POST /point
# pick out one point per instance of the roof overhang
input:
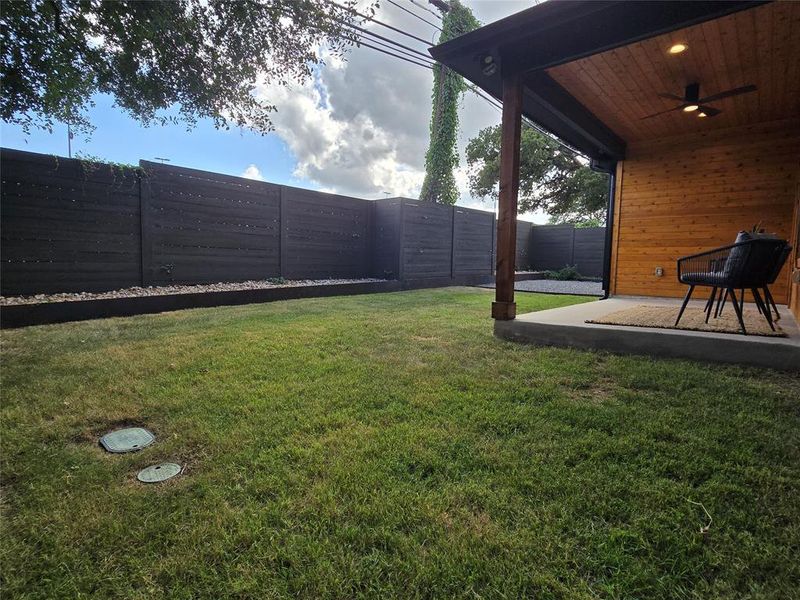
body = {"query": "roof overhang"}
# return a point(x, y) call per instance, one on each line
point(560, 31)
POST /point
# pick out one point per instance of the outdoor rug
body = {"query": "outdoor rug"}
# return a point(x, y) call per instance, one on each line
point(693, 319)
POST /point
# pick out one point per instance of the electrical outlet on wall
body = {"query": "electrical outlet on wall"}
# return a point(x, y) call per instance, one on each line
point(659, 271)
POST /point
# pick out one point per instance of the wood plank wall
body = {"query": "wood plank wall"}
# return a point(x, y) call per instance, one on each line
point(686, 194)
point(472, 241)
point(67, 225)
point(325, 235)
point(204, 227)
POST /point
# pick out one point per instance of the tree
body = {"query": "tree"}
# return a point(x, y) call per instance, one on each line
point(441, 159)
point(203, 57)
point(552, 178)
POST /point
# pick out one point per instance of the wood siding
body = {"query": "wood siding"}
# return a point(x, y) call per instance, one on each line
point(686, 194)
point(759, 46)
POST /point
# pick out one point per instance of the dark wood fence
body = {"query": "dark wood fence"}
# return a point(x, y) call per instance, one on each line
point(201, 227)
point(68, 225)
point(556, 246)
point(418, 241)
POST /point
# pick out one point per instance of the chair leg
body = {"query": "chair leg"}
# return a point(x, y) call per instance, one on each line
point(765, 310)
point(741, 302)
point(724, 300)
point(708, 300)
point(738, 310)
point(710, 303)
point(683, 306)
point(722, 294)
point(771, 302)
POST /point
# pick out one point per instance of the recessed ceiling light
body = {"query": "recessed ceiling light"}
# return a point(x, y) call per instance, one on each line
point(702, 114)
point(677, 48)
point(690, 108)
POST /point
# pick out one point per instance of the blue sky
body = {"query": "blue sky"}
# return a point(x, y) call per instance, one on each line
point(118, 138)
point(358, 127)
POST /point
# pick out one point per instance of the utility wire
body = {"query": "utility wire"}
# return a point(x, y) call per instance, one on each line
point(376, 21)
point(425, 8)
point(525, 121)
point(391, 41)
point(408, 57)
point(498, 106)
point(413, 14)
point(413, 62)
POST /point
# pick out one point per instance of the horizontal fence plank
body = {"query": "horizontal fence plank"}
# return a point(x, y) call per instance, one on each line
point(208, 227)
point(71, 225)
point(67, 225)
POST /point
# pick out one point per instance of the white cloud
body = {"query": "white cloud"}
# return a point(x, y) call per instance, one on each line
point(360, 127)
point(252, 172)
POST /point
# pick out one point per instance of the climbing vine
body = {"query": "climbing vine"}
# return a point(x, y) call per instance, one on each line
point(441, 159)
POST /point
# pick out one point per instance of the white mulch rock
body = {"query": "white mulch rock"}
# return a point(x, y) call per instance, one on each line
point(136, 292)
point(553, 286)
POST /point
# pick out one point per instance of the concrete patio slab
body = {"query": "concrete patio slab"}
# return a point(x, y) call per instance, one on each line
point(567, 327)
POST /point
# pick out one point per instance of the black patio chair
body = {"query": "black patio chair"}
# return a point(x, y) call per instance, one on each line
point(744, 265)
point(780, 259)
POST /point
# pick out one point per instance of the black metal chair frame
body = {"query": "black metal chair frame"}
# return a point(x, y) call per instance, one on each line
point(768, 299)
point(752, 264)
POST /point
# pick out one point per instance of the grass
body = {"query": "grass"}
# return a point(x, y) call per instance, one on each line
point(388, 446)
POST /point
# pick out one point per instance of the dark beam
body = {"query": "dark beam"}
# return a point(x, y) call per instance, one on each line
point(571, 118)
point(504, 307)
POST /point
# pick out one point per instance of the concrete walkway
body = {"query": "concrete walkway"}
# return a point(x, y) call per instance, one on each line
point(553, 286)
point(567, 327)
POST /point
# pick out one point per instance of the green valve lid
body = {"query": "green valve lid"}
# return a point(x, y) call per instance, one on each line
point(157, 473)
point(127, 440)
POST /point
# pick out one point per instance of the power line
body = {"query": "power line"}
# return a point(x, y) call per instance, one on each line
point(414, 56)
point(376, 21)
point(425, 8)
point(474, 89)
point(413, 14)
point(525, 121)
point(413, 62)
point(391, 41)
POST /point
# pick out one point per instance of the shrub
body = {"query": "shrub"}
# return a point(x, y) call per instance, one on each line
point(567, 273)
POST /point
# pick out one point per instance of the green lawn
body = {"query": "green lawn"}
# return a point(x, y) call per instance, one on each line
point(388, 446)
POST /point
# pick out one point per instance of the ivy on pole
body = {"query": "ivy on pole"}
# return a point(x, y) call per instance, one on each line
point(442, 158)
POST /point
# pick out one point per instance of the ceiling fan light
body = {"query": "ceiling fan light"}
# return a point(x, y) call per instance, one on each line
point(690, 108)
point(678, 48)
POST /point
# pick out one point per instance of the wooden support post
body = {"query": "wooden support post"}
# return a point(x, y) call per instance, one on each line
point(504, 308)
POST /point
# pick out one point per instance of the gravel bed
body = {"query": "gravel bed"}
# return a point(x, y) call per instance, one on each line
point(166, 290)
point(553, 286)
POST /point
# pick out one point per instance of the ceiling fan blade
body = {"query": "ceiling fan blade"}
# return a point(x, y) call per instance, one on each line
point(663, 112)
point(671, 97)
point(709, 111)
point(745, 89)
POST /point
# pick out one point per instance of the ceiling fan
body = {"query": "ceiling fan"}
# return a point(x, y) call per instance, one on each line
point(692, 101)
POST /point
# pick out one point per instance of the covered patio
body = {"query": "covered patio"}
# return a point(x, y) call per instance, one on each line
point(692, 109)
point(568, 327)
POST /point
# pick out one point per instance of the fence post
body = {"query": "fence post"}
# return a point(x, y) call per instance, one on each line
point(492, 255)
point(401, 254)
point(283, 238)
point(572, 252)
point(452, 242)
point(146, 224)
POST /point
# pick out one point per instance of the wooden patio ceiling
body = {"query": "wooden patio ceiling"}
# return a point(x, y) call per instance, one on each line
point(758, 46)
